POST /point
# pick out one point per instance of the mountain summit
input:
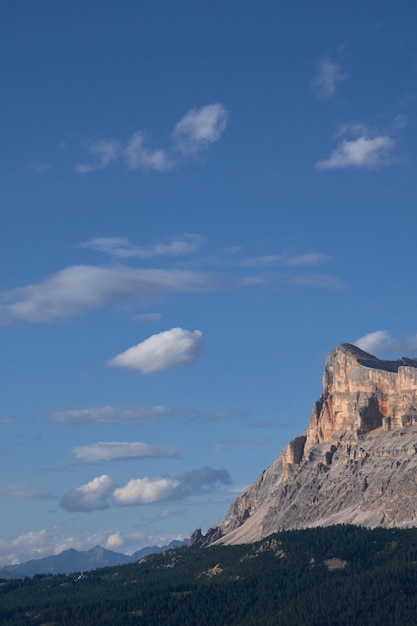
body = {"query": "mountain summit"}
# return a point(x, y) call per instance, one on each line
point(355, 464)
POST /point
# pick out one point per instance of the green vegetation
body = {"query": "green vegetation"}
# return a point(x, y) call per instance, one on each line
point(318, 577)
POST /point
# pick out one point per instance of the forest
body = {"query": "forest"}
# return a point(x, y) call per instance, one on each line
point(316, 577)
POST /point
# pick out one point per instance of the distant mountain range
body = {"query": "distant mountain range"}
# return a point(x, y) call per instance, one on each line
point(72, 560)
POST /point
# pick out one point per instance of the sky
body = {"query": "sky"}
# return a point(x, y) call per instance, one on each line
point(199, 201)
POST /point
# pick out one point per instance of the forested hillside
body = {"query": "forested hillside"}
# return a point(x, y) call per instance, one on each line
point(324, 576)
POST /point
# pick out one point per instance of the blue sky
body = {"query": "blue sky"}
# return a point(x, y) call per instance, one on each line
point(199, 201)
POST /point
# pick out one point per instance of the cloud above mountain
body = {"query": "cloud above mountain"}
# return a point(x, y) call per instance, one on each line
point(382, 342)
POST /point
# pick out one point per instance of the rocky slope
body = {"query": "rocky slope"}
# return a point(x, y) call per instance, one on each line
point(355, 464)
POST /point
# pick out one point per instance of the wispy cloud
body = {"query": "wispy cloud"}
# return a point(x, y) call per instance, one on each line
point(359, 147)
point(96, 494)
point(192, 135)
point(148, 317)
point(126, 414)
point(26, 491)
point(306, 259)
point(225, 445)
point(328, 74)
point(317, 281)
point(382, 342)
point(163, 351)
point(115, 450)
point(105, 152)
point(122, 248)
point(116, 414)
point(79, 289)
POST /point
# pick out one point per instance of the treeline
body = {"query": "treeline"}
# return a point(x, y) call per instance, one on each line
point(318, 577)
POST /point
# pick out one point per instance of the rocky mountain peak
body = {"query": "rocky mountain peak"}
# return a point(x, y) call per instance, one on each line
point(355, 463)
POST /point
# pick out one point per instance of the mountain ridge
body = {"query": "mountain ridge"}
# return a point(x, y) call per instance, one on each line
point(354, 464)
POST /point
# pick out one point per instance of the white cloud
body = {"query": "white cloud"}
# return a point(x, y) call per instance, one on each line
point(149, 490)
point(328, 75)
point(111, 450)
point(137, 156)
point(199, 128)
point(81, 288)
point(122, 248)
point(89, 497)
point(366, 149)
point(165, 350)
point(114, 541)
point(146, 490)
point(381, 342)
point(192, 135)
point(363, 152)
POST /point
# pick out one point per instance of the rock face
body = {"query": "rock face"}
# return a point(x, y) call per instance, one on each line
point(356, 463)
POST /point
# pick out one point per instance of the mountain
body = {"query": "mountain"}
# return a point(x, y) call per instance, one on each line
point(356, 463)
point(72, 560)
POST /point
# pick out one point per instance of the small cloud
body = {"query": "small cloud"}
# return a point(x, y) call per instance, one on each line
point(365, 152)
point(43, 166)
point(122, 248)
point(381, 342)
point(307, 259)
point(328, 75)
point(137, 156)
point(163, 351)
point(400, 122)
point(148, 317)
point(115, 450)
point(114, 541)
point(200, 128)
point(105, 152)
point(193, 134)
point(90, 497)
point(9, 420)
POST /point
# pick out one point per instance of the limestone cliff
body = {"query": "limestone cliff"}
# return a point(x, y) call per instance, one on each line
point(356, 463)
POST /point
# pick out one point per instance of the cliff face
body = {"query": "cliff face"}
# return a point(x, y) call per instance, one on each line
point(356, 462)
